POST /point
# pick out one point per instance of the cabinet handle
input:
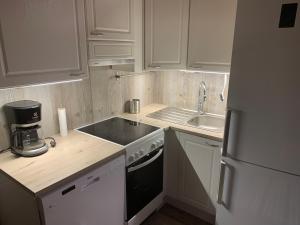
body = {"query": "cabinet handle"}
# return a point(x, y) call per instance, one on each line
point(156, 67)
point(76, 74)
point(230, 130)
point(196, 66)
point(212, 145)
point(221, 183)
point(97, 33)
point(226, 132)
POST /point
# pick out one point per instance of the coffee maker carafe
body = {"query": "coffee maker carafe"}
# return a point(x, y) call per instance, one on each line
point(24, 119)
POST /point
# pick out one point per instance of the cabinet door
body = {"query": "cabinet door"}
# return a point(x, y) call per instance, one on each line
point(264, 87)
point(211, 30)
point(41, 41)
point(110, 19)
point(257, 195)
point(199, 169)
point(166, 31)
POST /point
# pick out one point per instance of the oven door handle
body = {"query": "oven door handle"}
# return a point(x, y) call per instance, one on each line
point(131, 169)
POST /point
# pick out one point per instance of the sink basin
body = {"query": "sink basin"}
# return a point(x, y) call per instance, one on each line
point(207, 122)
point(191, 118)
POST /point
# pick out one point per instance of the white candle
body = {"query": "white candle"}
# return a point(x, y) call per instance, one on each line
point(62, 118)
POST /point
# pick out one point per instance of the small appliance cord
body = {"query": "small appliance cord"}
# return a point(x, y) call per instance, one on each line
point(52, 141)
point(4, 150)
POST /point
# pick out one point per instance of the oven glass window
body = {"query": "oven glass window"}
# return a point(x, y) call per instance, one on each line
point(144, 183)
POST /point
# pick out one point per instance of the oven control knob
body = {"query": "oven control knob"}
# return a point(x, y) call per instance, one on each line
point(157, 143)
point(153, 146)
point(136, 155)
point(130, 158)
point(141, 152)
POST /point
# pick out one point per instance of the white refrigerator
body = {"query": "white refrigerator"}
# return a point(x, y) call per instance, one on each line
point(260, 172)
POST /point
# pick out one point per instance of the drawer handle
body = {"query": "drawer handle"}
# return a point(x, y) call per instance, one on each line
point(196, 66)
point(76, 74)
point(212, 145)
point(155, 67)
point(97, 33)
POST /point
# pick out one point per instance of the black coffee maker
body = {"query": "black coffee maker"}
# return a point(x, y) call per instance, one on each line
point(24, 119)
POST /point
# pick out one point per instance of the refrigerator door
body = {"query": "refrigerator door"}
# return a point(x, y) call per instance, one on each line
point(255, 195)
point(264, 89)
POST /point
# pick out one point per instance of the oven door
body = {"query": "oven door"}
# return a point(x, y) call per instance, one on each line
point(144, 181)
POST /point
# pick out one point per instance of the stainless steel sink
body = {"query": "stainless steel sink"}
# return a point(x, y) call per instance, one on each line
point(207, 122)
point(191, 118)
point(173, 115)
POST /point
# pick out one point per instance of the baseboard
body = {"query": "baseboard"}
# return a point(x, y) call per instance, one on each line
point(190, 209)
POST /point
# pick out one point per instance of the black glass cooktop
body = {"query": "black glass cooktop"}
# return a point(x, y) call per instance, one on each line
point(119, 130)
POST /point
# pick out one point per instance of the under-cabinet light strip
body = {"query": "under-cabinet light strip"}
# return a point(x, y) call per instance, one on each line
point(43, 84)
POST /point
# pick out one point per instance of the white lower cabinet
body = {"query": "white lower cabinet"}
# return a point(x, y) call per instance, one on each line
point(193, 169)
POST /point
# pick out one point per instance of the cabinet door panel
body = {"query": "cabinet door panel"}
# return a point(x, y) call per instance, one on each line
point(166, 26)
point(110, 19)
point(211, 32)
point(41, 41)
point(199, 172)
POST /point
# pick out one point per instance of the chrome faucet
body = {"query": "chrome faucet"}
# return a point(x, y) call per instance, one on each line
point(202, 97)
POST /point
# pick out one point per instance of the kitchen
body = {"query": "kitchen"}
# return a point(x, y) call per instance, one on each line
point(142, 105)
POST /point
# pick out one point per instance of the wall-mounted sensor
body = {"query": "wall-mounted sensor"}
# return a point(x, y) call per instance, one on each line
point(288, 15)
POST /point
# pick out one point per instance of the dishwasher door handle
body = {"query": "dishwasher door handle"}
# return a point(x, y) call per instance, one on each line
point(134, 168)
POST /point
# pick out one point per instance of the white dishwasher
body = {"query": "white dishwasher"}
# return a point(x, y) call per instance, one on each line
point(97, 198)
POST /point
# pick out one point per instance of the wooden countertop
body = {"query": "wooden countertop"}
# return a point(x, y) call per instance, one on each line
point(142, 117)
point(72, 154)
point(77, 152)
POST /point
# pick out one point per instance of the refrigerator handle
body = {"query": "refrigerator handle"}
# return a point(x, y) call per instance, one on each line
point(221, 183)
point(226, 132)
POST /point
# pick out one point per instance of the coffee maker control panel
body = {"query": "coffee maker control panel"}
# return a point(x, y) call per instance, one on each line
point(23, 113)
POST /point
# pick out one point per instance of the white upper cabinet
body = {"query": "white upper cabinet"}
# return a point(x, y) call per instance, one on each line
point(166, 32)
point(41, 41)
point(110, 19)
point(211, 30)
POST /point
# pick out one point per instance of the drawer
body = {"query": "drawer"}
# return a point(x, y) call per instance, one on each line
point(110, 50)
